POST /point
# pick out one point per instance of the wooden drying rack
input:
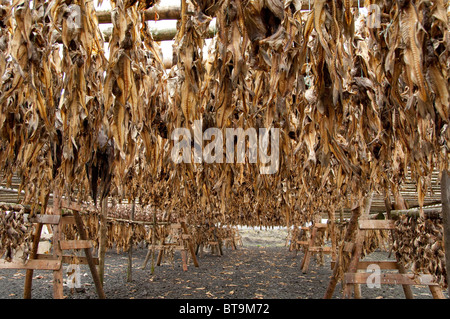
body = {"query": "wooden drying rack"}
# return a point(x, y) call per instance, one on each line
point(353, 278)
point(55, 261)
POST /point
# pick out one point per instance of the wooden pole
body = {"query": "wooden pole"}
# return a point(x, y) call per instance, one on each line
point(401, 269)
point(349, 237)
point(57, 251)
point(190, 246)
point(29, 273)
point(102, 239)
point(445, 196)
point(130, 250)
point(166, 12)
point(88, 252)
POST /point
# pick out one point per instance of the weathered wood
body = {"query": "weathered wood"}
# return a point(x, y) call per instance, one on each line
point(70, 259)
point(190, 246)
point(307, 257)
point(406, 288)
point(349, 235)
point(75, 244)
point(325, 250)
point(57, 251)
point(391, 279)
point(383, 264)
point(371, 224)
point(353, 265)
point(445, 197)
point(401, 268)
point(92, 262)
point(29, 274)
point(157, 12)
point(173, 12)
point(44, 219)
point(32, 264)
point(103, 230)
point(130, 250)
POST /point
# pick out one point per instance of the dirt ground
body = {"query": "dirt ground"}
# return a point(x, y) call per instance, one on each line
point(262, 268)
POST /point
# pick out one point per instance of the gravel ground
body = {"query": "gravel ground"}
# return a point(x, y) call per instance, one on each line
point(262, 268)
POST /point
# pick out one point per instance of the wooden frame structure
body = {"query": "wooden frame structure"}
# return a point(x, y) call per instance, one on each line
point(55, 261)
point(353, 278)
point(183, 244)
point(311, 248)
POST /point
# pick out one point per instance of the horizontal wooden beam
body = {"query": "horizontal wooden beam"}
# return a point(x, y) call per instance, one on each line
point(75, 244)
point(165, 12)
point(383, 264)
point(68, 259)
point(390, 279)
point(370, 224)
point(31, 264)
point(173, 12)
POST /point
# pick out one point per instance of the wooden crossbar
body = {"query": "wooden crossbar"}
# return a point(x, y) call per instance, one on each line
point(32, 264)
point(369, 224)
point(69, 259)
point(383, 264)
point(391, 279)
point(75, 244)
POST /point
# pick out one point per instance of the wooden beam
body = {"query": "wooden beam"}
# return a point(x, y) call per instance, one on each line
point(173, 12)
point(158, 12)
point(103, 239)
point(75, 244)
point(383, 264)
point(90, 260)
point(57, 251)
point(32, 264)
point(372, 224)
point(391, 279)
point(29, 273)
point(445, 194)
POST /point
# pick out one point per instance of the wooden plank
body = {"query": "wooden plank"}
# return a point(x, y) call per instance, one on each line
point(75, 244)
point(169, 246)
point(368, 224)
point(383, 264)
point(45, 219)
point(391, 279)
point(57, 251)
point(445, 198)
point(50, 264)
point(320, 249)
point(67, 220)
point(69, 259)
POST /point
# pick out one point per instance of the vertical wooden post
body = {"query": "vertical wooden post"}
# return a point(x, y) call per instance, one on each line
point(190, 246)
point(307, 257)
point(445, 198)
point(401, 268)
point(57, 251)
point(29, 273)
point(102, 239)
point(130, 250)
point(88, 253)
point(332, 219)
point(349, 236)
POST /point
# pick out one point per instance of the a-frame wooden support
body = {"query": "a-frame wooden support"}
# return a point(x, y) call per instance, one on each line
point(183, 245)
point(310, 247)
point(353, 278)
point(55, 261)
